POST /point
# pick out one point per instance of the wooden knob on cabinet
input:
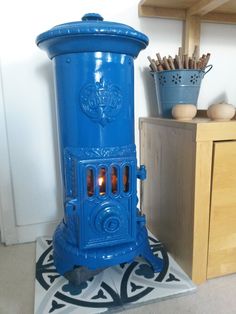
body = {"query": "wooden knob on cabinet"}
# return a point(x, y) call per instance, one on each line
point(184, 112)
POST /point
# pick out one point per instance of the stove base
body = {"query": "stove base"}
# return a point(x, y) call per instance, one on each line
point(67, 256)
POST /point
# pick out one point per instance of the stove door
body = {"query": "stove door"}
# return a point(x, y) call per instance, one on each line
point(108, 202)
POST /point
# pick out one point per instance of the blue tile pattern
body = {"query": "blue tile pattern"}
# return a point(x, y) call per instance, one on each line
point(116, 288)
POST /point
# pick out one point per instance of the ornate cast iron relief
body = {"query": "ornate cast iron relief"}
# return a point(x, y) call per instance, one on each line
point(101, 101)
point(102, 152)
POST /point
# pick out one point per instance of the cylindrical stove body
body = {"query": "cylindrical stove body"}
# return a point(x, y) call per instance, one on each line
point(94, 80)
point(95, 97)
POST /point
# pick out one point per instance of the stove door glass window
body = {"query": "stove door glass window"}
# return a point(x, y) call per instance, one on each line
point(102, 181)
point(126, 175)
point(90, 182)
point(114, 180)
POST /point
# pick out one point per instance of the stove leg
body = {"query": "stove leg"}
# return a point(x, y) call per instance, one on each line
point(81, 274)
point(156, 262)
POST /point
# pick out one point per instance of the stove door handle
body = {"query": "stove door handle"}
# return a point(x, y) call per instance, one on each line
point(141, 172)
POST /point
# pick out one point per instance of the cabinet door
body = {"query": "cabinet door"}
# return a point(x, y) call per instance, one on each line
point(222, 238)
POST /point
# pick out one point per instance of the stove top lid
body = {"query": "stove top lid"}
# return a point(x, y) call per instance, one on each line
point(92, 24)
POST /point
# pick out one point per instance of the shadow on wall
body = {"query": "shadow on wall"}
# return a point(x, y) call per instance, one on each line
point(222, 97)
point(149, 91)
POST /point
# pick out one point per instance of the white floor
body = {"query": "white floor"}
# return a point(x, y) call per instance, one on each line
point(17, 273)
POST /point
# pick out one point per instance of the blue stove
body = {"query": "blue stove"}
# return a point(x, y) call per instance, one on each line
point(94, 82)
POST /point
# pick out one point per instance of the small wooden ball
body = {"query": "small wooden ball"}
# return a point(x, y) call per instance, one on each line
point(184, 112)
point(221, 112)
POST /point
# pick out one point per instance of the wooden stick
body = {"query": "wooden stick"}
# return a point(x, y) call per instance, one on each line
point(152, 67)
point(159, 58)
point(171, 63)
point(166, 64)
point(156, 62)
point(180, 52)
point(176, 63)
point(152, 63)
point(186, 61)
point(199, 64)
point(202, 62)
point(196, 52)
point(160, 67)
point(190, 63)
point(179, 62)
point(206, 60)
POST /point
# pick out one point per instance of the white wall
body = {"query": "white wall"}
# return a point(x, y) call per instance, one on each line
point(28, 86)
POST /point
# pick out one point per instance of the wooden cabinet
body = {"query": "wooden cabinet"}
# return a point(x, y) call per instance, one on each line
point(189, 195)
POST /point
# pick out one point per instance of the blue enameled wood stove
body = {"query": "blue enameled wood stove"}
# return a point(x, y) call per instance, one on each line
point(94, 78)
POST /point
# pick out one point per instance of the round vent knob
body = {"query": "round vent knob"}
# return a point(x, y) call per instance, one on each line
point(108, 220)
point(111, 224)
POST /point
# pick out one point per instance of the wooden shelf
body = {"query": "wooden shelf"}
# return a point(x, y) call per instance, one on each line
point(216, 11)
point(193, 12)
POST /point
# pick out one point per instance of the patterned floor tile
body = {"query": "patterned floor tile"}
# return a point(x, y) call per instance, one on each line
point(113, 290)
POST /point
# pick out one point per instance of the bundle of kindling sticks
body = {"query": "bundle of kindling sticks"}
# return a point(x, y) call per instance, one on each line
point(180, 61)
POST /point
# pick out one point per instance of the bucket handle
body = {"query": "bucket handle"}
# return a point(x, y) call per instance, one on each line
point(208, 67)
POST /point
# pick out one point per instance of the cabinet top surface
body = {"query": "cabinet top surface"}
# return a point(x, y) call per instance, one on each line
point(199, 119)
point(203, 129)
